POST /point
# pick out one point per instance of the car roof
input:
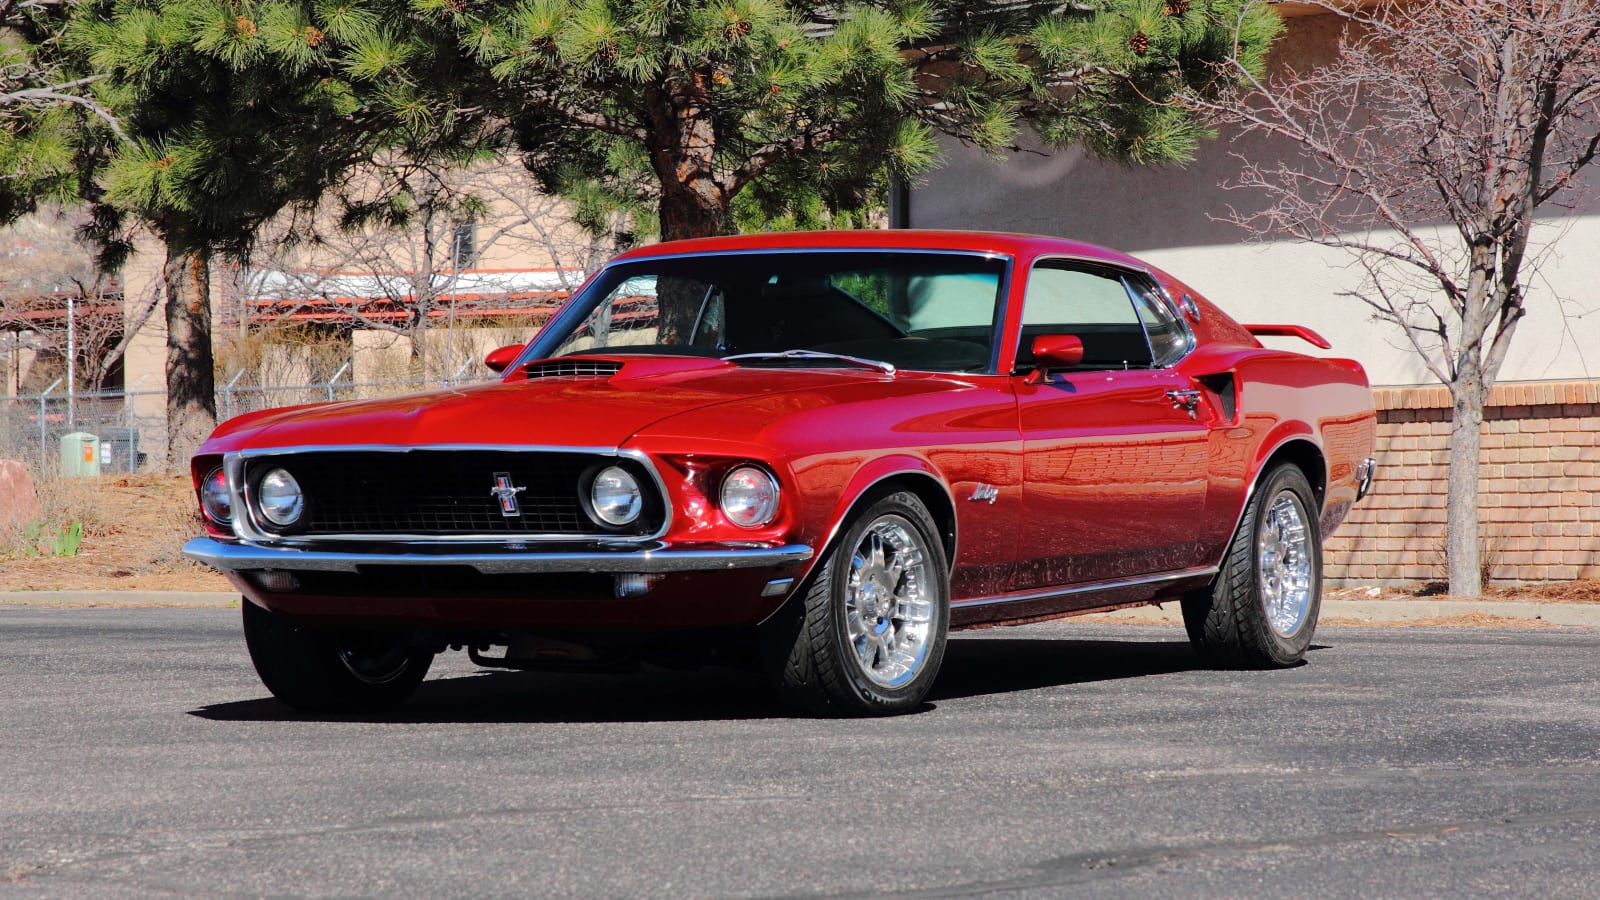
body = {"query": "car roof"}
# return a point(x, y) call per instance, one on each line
point(1021, 246)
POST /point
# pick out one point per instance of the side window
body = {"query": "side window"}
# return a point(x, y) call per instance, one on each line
point(1092, 304)
point(1169, 337)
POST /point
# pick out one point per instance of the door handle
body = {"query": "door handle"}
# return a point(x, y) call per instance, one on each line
point(1188, 400)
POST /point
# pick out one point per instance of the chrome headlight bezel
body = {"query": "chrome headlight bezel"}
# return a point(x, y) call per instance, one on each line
point(749, 497)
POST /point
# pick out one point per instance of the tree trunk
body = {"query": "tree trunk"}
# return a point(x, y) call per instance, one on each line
point(191, 385)
point(418, 335)
point(1461, 528)
point(694, 210)
point(694, 202)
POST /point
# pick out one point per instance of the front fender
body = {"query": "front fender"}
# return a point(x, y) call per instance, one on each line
point(833, 500)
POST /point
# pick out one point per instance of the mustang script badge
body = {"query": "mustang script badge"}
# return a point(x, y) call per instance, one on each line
point(506, 493)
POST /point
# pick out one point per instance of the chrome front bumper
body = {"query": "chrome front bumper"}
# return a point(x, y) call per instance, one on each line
point(230, 557)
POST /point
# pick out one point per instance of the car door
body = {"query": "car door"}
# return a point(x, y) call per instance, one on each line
point(1115, 448)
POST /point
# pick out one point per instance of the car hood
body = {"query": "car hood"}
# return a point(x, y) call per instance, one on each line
point(577, 411)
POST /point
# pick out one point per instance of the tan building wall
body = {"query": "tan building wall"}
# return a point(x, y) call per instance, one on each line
point(1171, 217)
point(144, 362)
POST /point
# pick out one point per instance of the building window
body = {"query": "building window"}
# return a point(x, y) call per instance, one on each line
point(463, 245)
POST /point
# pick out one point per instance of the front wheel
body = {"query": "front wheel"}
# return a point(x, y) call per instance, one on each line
point(1262, 609)
point(334, 672)
point(869, 633)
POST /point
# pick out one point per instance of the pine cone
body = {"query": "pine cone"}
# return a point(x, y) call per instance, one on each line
point(607, 53)
point(314, 36)
point(1177, 7)
point(545, 45)
point(739, 29)
point(1140, 42)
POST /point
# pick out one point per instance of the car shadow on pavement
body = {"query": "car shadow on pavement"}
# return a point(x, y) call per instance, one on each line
point(1002, 665)
point(973, 666)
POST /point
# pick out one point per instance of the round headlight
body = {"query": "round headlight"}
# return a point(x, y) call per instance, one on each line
point(749, 497)
point(615, 496)
point(214, 497)
point(281, 500)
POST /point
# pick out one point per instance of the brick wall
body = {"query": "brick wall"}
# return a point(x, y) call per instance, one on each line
point(1539, 489)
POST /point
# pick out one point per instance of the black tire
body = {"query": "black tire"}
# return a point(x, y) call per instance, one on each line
point(331, 672)
point(1234, 623)
point(807, 647)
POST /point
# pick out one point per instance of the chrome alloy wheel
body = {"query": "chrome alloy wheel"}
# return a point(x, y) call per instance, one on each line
point(888, 608)
point(376, 668)
point(1283, 564)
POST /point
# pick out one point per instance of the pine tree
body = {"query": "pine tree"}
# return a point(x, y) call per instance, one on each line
point(689, 103)
point(42, 103)
point(230, 111)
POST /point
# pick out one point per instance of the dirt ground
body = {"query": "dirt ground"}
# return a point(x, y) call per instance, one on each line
point(1552, 592)
point(135, 526)
point(133, 531)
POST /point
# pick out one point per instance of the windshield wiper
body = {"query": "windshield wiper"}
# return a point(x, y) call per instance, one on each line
point(886, 368)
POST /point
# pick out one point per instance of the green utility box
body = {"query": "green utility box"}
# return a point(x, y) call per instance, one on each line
point(80, 455)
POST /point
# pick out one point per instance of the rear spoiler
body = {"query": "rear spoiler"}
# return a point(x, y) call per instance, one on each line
point(1299, 331)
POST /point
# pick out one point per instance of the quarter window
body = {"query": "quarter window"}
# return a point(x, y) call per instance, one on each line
point(1169, 337)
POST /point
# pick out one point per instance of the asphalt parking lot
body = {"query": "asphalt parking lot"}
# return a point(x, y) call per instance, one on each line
point(140, 756)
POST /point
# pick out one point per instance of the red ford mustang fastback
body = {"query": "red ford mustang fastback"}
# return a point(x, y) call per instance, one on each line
point(817, 452)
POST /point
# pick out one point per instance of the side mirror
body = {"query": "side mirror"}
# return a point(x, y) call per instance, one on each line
point(1054, 351)
point(498, 359)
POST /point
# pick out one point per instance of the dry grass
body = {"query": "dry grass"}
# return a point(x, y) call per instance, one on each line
point(134, 528)
point(1587, 591)
point(1462, 620)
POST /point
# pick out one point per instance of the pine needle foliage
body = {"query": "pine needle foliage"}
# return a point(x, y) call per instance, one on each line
point(229, 112)
point(42, 108)
point(812, 107)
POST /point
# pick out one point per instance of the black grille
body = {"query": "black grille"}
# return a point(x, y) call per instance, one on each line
point(574, 368)
point(449, 492)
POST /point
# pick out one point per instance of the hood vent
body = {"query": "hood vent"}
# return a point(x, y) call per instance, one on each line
point(574, 368)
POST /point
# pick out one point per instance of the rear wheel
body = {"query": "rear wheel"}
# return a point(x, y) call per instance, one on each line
point(868, 636)
point(1261, 610)
point(320, 671)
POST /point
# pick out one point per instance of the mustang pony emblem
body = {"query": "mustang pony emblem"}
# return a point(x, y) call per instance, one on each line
point(506, 493)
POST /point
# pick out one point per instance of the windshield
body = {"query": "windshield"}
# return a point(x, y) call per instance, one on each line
point(923, 311)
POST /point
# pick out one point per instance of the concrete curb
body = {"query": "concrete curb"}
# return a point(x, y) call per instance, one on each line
point(1334, 612)
point(122, 599)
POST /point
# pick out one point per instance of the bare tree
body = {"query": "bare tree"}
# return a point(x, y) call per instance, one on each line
point(47, 280)
point(406, 256)
point(1427, 149)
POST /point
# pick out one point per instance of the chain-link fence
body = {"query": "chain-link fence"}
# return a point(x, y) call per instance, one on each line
point(127, 430)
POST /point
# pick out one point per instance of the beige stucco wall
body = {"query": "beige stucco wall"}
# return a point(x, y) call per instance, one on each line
point(1171, 217)
point(144, 361)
